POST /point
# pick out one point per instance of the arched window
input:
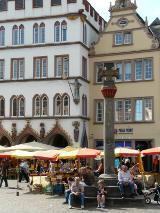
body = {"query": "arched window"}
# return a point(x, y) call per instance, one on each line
point(15, 35)
point(21, 107)
point(57, 32)
point(42, 33)
point(44, 105)
point(2, 106)
point(14, 106)
point(37, 106)
point(35, 34)
point(66, 105)
point(64, 31)
point(2, 36)
point(57, 105)
point(84, 105)
point(21, 34)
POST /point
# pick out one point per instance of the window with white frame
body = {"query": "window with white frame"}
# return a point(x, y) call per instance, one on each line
point(44, 106)
point(37, 106)
point(21, 107)
point(123, 38)
point(119, 110)
point(21, 34)
point(18, 68)
point(14, 106)
point(147, 69)
point(62, 66)
point(99, 110)
point(42, 33)
point(35, 33)
point(66, 105)
point(15, 36)
point(2, 36)
point(134, 109)
point(138, 70)
point(2, 106)
point(120, 72)
point(64, 31)
point(128, 110)
point(57, 31)
point(148, 108)
point(1, 69)
point(99, 67)
point(40, 67)
point(128, 71)
point(58, 105)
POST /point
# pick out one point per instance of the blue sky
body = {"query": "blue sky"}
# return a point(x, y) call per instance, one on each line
point(149, 8)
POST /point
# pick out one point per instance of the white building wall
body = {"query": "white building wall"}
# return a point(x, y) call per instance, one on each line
point(50, 86)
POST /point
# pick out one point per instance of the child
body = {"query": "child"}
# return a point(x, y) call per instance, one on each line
point(101, 195)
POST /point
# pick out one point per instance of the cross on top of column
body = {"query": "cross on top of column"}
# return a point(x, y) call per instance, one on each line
point(109, 72)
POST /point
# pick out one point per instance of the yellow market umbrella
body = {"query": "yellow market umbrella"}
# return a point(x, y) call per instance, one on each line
point(69, 154)
point(19, 154)
point(24, 147)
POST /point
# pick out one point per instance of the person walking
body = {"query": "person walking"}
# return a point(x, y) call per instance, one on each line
point(4, 173)
point(24, 171)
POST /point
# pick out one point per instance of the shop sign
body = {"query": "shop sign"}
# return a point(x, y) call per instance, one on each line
point(124, 131)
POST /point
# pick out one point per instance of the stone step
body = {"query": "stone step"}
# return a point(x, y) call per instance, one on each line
point(112, 202)
point(114, 191)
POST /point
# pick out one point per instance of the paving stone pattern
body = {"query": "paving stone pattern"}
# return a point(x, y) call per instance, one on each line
point(40, 203)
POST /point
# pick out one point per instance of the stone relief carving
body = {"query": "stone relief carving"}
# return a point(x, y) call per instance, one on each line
point(76, 125)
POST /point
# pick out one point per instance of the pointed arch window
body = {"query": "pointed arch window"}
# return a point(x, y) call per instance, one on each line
point(15, 35)
point(44, 106)
point(21, 106)
point(2, 106)
point(21, 34)
point(2, 36)
point(84, 105)
point(57, 32)
point(14, 106)
point(64, 31)
point(66, 105)
point(58, 106)
point(35, 34)
point(42, 33)
point(37, 106)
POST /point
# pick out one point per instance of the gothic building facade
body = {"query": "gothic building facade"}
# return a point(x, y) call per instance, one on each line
point(44, 76)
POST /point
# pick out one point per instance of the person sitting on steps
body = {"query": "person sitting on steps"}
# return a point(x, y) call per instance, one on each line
point(101, 195)
point(125, 179)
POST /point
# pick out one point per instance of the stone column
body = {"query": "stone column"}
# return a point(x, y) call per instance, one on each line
point(109, 90)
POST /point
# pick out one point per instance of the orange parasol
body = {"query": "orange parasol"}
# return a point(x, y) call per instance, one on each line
point(47, 155)
point(88, 153)
point(152, 151)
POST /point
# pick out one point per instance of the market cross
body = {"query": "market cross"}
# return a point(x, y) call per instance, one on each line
point(109, 72)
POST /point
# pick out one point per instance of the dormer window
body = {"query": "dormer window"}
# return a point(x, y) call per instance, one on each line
point(123, 38)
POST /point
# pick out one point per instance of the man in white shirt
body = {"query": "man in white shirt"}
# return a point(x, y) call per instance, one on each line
point(77, 190)
point(125, 179)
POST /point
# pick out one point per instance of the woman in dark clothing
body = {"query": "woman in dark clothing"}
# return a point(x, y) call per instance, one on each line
point(4, 173)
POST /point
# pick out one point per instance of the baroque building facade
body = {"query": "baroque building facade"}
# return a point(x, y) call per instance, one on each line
point(44, 75)
point(133, 47)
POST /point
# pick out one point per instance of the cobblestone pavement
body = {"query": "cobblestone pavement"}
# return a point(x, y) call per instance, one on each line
point(40, 203)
